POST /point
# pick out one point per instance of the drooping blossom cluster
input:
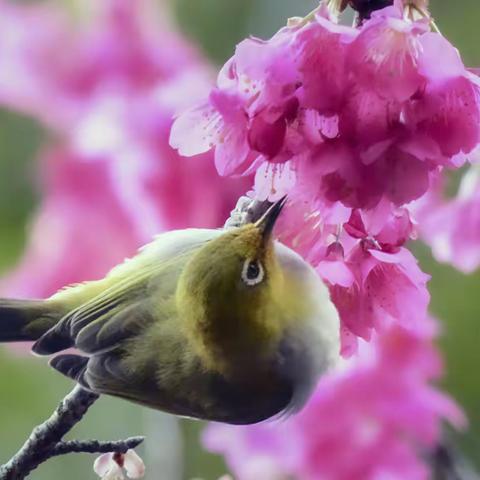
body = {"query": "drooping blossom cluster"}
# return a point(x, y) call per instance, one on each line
point(109, 178)
point(358, 125)
point(376, 419)
point(374, 280)
point(354, 124)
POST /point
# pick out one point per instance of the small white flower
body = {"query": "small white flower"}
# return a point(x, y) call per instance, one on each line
point(110, 466)
point(134, 465)
point(107, 468)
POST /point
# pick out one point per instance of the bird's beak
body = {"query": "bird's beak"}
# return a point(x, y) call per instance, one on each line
point(267, 221)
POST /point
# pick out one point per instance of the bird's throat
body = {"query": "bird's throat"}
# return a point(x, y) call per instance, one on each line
point(231, 341)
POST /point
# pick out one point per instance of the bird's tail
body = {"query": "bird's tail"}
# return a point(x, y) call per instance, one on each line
point(26, 320)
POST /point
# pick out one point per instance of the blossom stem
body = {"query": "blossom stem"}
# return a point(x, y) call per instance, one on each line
point(425, 14)
point(309, 17)
point(435, 26)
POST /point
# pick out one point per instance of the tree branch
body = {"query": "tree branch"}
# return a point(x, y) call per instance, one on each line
point(45, 441)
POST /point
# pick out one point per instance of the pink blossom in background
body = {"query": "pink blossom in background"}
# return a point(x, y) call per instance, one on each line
point(80, 230)
point(29, 39)
point(108, 96)
point(121, 47)
point(368, 422)
point(160, 190)
point(451, 227)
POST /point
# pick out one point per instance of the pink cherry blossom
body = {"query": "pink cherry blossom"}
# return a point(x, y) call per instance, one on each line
point(374, 280)
point(322, 49)
point(351, 130)
point(367, 422)
point(386, 288)
point(385, 54)
point(249, 114)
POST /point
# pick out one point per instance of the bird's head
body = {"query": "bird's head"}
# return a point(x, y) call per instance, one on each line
point(238, 288)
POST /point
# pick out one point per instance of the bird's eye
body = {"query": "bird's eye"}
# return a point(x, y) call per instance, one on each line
point(252, 273)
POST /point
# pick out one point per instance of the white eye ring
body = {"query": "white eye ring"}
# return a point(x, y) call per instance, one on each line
point(252, 272)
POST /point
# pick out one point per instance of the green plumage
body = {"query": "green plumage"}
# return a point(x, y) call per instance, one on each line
point(181, 329)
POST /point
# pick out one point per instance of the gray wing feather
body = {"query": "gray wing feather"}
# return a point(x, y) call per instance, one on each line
point(106, 333)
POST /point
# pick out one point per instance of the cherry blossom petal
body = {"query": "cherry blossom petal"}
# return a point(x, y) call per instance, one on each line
point(384, 57)
point(103, 464)
point(322, 49)
point(435, 46)
point(336, 273)
point(273, 181)
point(408, 177)
point(197, 130)
point(449, 113)
point(267, 138)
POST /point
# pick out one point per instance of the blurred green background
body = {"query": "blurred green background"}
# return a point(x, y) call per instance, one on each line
point(30, 390)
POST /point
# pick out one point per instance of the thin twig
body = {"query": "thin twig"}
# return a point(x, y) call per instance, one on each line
point(95, 446)
point(426, 15)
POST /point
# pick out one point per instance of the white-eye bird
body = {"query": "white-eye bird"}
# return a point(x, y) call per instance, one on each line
point(223, 325)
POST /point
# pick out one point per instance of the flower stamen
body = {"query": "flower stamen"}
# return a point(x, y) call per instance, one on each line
point(425, 14)
point(302, 21)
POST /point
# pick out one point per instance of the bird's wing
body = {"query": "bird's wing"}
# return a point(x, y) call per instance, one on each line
point(136, 287)
point(122, 293)
point(107, 318)
point(107, 311)
point(108, 331)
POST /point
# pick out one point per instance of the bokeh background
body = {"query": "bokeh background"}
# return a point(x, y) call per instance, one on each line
point(30, 390)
